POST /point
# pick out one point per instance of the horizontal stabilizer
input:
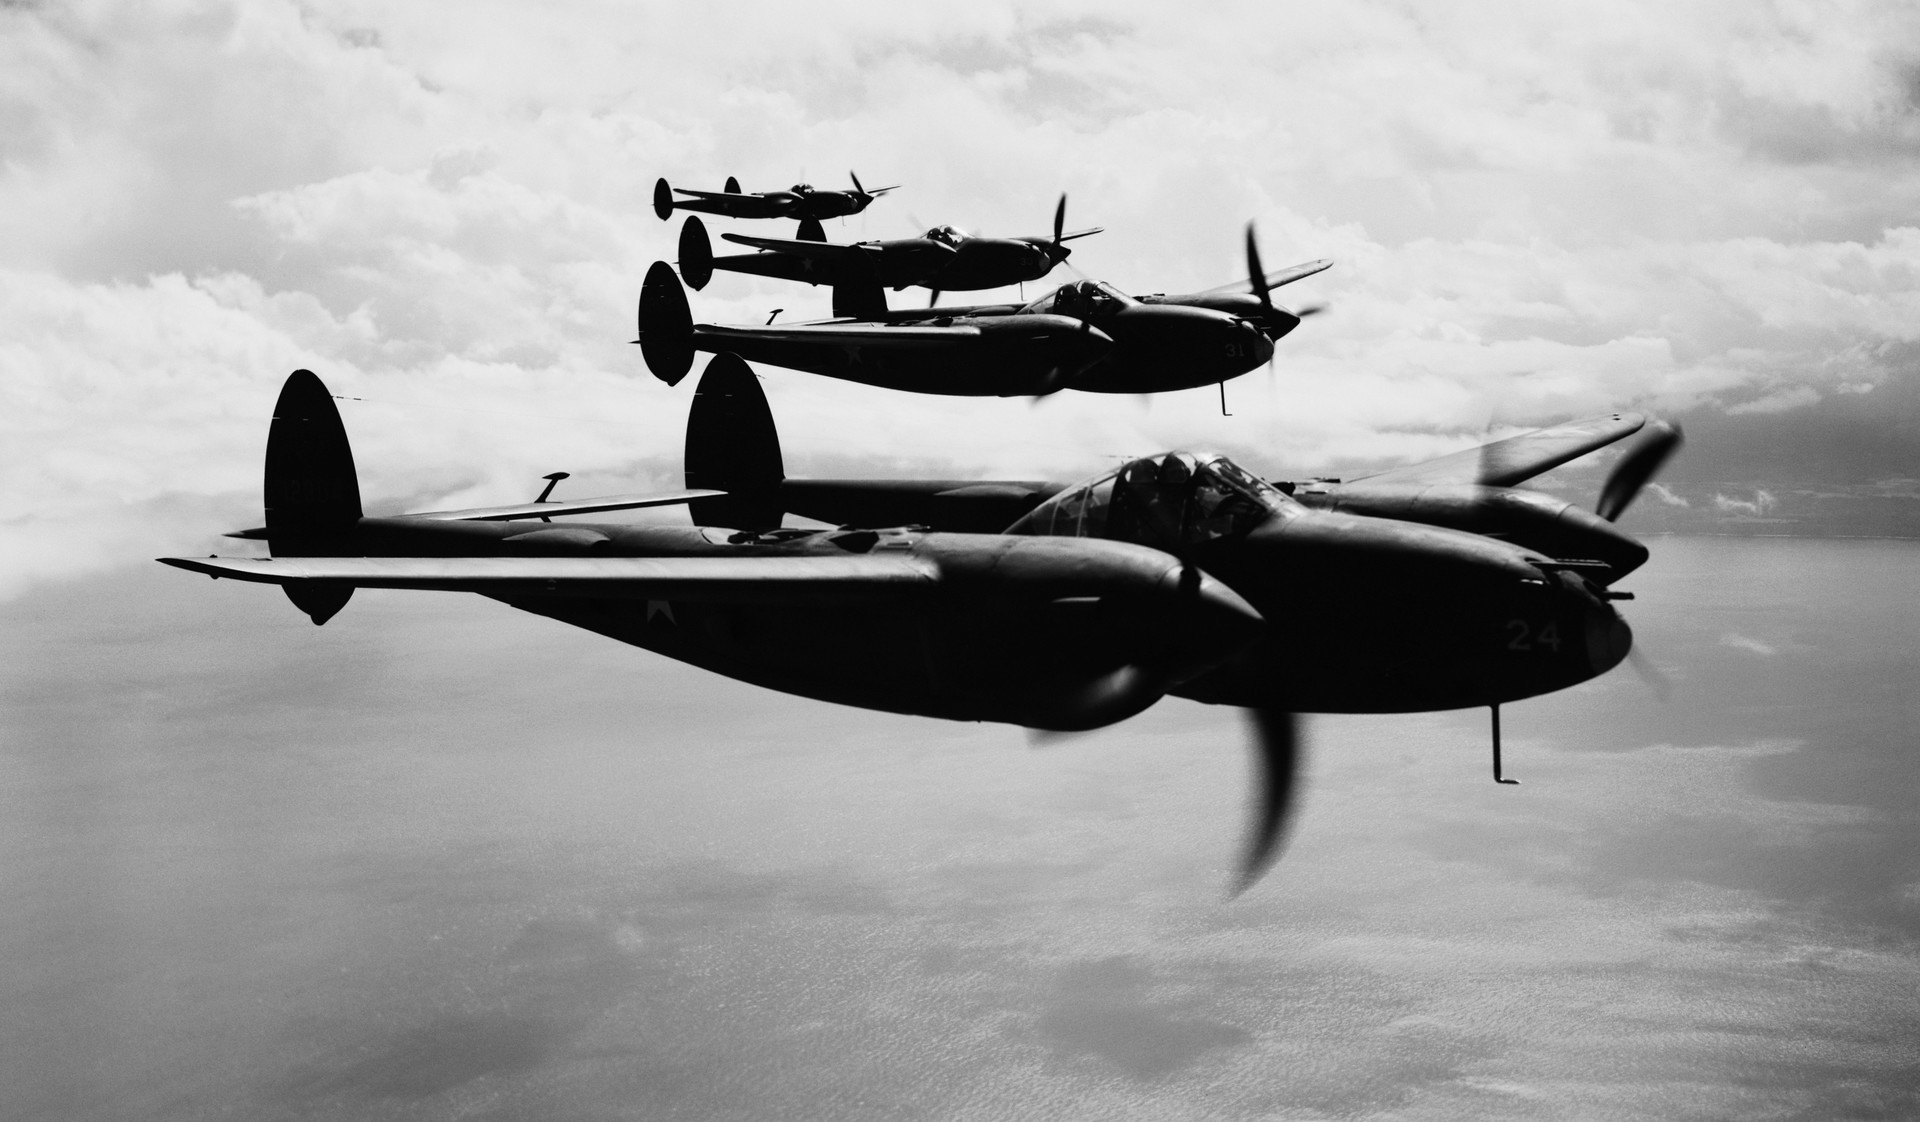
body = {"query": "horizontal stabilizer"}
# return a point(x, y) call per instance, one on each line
point(737, 579)
point(549, 509)
point(711, 194)
point(826, 251)
point(828, 334)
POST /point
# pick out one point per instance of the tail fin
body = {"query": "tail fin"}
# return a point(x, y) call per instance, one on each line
point(311, 489)
point(666, 325)
point(696, 254)
point(733, 186)
point(732, 446)
point(663, 199)
point(810, 231)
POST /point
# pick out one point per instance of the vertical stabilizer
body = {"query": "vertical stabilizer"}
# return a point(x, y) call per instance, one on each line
point(311, 489)
point(732, 446)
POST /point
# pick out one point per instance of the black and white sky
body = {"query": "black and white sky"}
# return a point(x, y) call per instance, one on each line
point(438, 859)
point(1538, 210)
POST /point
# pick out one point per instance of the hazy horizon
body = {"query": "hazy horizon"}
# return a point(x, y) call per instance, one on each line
point(441, 859)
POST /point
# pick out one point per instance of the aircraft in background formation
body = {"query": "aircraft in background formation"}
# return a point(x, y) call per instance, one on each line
point(803, 201)
point(1086, 335)
point(1179, 573)
point(942, 259)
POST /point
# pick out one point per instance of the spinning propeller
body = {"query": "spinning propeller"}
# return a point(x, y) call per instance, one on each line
point(1057, 250)
point(1275, 319)
point(1637, 468)
point(865, 196)
point(1277, 773)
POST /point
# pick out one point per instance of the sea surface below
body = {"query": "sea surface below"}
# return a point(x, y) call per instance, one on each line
point(442, 860)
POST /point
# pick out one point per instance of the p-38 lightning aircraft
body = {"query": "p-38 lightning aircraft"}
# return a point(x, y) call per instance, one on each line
point(803, 201)
point(942, 259)
point(1178, 574)
point(1085, 336)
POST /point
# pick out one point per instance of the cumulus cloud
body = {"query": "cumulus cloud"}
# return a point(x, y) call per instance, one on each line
point(1666, 495)
point(1706, 207)
point(1761, 505)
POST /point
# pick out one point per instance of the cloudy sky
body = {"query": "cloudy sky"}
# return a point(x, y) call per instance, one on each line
point(441, 860)
point(1538, 210)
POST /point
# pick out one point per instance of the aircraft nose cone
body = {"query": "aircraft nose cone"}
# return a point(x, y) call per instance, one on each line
point(1601, 540)
point(1201, 623)
point(1279, 322)
point(1083, 343)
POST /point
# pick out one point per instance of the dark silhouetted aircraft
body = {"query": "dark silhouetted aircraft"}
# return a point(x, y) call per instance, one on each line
point(1179, 574)
point(1085, 336)
point(943, 259)
point(802, 201)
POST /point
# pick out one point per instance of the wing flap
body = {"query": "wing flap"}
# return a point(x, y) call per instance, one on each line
point(1505, 463)
point(761, 579)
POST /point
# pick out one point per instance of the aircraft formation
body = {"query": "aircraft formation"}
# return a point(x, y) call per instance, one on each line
point(1052, 605)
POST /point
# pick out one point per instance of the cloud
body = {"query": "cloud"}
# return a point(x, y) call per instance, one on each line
point(1779, 401)
point(1666, 496)
point(1745, 643)
point(1759, 506)
point(1706, 209)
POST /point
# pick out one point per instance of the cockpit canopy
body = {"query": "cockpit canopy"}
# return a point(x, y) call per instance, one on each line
point(1085, 299)
point(1169, 501)
point(950, 235)
point(803, 188)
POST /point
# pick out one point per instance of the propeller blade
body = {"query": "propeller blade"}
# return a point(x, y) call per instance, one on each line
point(1060, 218)
point(1277, 744)
point(857, 189)
point(1256, 276)
point(1306, 310)
point(1637, 468)
point(1650, 673)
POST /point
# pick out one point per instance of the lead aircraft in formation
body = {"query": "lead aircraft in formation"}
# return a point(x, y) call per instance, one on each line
point(1053, 606)
point(803, 201)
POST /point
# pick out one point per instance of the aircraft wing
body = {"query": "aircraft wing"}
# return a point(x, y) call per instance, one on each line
point(578, 506)
point(764, 579)
point(1283, 276)
point(1516, 459)
point(825, 251)
point(851, 333)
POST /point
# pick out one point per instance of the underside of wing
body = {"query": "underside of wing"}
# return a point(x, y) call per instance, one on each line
point(756, 579)
point(848, 334)
point(579, 506)
point(1505, 463)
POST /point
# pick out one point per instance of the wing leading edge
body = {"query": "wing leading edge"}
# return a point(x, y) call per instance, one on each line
point(760, 579)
